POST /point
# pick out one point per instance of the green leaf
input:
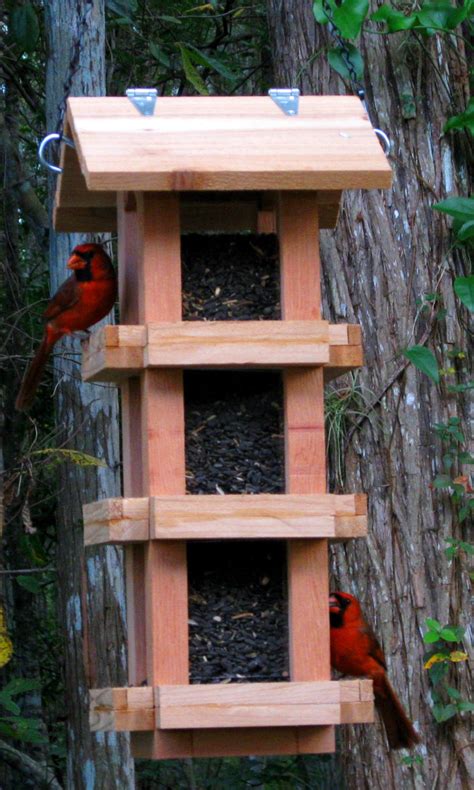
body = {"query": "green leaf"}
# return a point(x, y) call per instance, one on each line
point(440, 16)
point(449, 634)
point(442, 481)
point(159, 54)
point(438, 672)
point(319, 13)
point(430, 637)
point(349, 17)
point(465, 705)
point(172, 19)
point(24, 26)
point(461, 208)
point(466, 458)
point(20, 686)
point(448, 460)
point(192, 75)
point(453, 693)
point(124, 8)
point(466, 231)
point(433, 625)
point(29, 730)
point(29, 583)
point(463, 121)
point(9, 705)
point(464, 289)
point(212, 63)
point(461, 387)
point(6, 729)
point(77, 457)
point(423, 359)
point(444, 712)
point(338, 60)
point(395, 20)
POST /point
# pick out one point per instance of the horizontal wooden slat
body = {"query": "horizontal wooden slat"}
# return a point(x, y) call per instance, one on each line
point(333, 516)
point(232, 705)
point(259, 516)
point(84, 210)
point(117, 352)
point(237, 343)
point(226, 143)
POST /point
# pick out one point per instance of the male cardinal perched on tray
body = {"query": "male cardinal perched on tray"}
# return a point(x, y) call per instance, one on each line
point(82, 300)
point(356, 651)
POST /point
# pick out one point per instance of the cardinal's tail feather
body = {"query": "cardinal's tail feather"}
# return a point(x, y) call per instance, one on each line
point(400, 731)
point(33, 374)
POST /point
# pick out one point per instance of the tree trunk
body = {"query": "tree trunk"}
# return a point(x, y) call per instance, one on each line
point(388, 250)
point(91, 589)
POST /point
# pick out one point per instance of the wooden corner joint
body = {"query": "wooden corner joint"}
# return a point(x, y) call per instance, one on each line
point(120, 520)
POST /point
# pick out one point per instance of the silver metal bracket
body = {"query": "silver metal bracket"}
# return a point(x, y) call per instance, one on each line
point(59, 138)
point(286, 99)
point(144, 99)
point(385, 139)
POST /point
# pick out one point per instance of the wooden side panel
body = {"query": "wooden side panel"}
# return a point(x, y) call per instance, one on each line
point(268, 741)
point(84, 210)
point(308, 583)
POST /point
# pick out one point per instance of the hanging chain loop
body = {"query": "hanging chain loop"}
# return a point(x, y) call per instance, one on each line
point(357, 85)
point(59, 138)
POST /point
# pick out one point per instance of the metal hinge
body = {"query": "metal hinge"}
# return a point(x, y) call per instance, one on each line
point(144, 99)
point(286, 99)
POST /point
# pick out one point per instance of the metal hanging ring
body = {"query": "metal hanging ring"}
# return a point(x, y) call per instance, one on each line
point(385, 139)
point(60, 138)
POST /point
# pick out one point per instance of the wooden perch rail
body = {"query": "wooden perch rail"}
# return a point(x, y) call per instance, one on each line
point(231, 705)
point(337, 517)
point(117, 352)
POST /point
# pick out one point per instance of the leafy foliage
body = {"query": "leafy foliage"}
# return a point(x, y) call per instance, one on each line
point(208, 48)
point(24, 27)
point(57, 455)
point(464, 120)
point(15, 725)
point(424, 359)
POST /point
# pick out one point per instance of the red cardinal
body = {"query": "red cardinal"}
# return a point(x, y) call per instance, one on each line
point(82, 300)
point(356, 651)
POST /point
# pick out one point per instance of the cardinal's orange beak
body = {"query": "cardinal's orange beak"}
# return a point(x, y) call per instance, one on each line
point(76, 262)
point(334, 604)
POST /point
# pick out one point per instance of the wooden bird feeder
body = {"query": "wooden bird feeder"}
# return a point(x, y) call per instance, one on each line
point(221, 164)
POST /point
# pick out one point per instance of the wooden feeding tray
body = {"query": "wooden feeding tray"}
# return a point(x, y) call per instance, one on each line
point(227, 164)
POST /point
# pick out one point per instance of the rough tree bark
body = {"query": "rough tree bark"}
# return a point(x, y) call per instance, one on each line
point(389, 249)
point(91, 590)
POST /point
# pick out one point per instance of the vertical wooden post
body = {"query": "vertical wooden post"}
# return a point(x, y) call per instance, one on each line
point(153, 417)
point(308, 584)
point(129, 235)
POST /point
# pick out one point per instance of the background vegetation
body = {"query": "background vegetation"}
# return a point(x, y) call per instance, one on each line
point(403, 53)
